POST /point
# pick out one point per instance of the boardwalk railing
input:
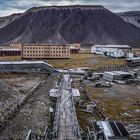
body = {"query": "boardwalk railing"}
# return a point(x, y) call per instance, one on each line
point(33, 136)
point(65, 124)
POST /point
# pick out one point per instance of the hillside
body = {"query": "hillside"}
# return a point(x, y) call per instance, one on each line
point(131, 17)
point(70, 24)
point(8, 19)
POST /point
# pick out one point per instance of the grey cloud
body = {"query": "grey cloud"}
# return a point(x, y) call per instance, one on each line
point(113, 5)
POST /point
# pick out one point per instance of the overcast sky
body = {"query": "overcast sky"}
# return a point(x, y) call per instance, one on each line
point(8, 7)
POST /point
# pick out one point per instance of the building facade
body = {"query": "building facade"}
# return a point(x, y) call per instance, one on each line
point(16, 45)
point(41, 51)
point(10, 52)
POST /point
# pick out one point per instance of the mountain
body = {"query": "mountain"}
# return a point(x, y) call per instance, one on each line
point(70, 24)
point(132, 17)
point(8, 19)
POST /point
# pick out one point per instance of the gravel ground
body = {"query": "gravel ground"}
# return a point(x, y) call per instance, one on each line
point(118, 103)
point(34, 115)
point(13, 91)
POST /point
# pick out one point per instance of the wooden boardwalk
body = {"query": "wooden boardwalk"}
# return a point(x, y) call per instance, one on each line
point(67, 125)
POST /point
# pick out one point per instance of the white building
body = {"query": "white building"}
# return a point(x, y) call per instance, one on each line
point(117, 75)
point(116, 51)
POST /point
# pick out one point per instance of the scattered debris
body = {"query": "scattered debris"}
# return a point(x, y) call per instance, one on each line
point(119, 82)
point(103, 84)
point(134, 131)
point(110, 130)
point(137, 103)
point(90, 108)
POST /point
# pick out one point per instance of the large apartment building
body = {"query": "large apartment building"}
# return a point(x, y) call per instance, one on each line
point(41, 51)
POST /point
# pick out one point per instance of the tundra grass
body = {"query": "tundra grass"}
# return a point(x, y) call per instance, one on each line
point(85, 60)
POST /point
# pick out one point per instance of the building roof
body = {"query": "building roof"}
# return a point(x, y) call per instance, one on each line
point(117, 72)
point(114, 46)
point(73, 48)
point(133, 58)
point(75, 92)
point(112, 128)
point(10, 49)
point(45, 45)
point(24, 62)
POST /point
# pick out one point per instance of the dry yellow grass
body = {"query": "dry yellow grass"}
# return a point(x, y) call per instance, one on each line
point(10, 58)
point(115, 106)
point(76, 60)
point(84, 60)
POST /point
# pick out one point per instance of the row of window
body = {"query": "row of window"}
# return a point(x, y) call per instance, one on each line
point(38, 48)
point(35, 48)
point(59, 52)
point(46, 52)
point(59, 48)
point(32, 55)
point(45, 55)
point(33, 51)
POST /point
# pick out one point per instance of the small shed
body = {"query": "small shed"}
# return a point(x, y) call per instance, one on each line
point(53, 93)
point(74, 50)
point(90, 108)
point(76, 95)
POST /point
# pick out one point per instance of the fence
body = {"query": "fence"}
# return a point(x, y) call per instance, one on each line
point(33, 136)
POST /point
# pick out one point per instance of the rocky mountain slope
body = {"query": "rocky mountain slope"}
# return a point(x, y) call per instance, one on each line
point(8, 19)
point(70, 24)
point(131, 17)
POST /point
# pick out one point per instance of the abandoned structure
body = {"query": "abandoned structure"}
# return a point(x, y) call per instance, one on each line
point(75, 48)
point(136, 51)
point(36, 51)
point(26, 66)
point(117, 75)
point(40, 51)
point(45, 51)
point(110, 130)
point(116, 51)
